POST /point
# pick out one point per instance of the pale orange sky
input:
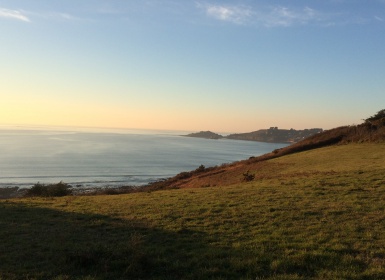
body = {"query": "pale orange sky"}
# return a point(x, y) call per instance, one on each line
point(182, 65)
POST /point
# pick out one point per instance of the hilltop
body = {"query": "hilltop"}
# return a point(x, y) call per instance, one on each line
point(372, 130)
point(271, 135)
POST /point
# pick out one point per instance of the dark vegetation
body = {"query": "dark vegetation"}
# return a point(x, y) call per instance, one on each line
point(12, 192)
point(247, 176)
point(50, 190)
point(378, 116)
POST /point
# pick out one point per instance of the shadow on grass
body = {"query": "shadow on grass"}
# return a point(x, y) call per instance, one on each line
point(40, 243)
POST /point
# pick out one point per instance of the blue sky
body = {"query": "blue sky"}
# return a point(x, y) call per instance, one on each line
point(225, 66)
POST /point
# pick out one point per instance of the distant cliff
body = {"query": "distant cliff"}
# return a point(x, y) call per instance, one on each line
point(205, 134)
point(271, 135)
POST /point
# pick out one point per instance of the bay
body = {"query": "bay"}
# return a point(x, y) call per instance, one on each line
point(111, 158)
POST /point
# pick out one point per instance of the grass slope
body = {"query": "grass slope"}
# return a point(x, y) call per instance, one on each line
point(371, 131)
point(318, 214)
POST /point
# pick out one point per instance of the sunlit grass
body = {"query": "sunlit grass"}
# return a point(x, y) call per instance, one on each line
point(350, 157)
point(315, 215)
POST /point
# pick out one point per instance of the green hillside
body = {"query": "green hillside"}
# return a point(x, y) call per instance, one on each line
point(317, 214)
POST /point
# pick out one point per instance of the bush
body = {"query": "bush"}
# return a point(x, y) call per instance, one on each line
point(201, 168)
point(59, 189)
point(247, 176)
point(379, 115)
point(183, 175)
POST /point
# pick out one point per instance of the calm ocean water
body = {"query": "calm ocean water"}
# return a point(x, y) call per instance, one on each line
point(100, 159)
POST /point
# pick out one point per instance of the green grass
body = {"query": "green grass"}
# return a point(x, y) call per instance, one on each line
point(315, 215)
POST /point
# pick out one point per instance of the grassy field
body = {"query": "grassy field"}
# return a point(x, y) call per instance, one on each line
point(318, 214)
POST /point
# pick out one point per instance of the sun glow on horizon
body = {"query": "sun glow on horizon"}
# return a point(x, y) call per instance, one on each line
point(234, 67)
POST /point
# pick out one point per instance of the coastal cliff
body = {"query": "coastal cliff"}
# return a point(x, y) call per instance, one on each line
point(205, 134)
point(271, 135)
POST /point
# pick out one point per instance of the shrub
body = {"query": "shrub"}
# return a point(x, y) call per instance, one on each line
point(379, 115)
point(183, 175)
point(247, 176)
point(201, 168)
point(59, 189)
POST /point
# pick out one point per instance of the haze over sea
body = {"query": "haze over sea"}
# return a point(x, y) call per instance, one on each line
point(113, 158)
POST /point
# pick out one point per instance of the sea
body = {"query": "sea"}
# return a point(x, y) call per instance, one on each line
point(110, 158)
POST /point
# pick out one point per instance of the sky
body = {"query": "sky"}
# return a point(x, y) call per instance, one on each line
point(224, 66)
